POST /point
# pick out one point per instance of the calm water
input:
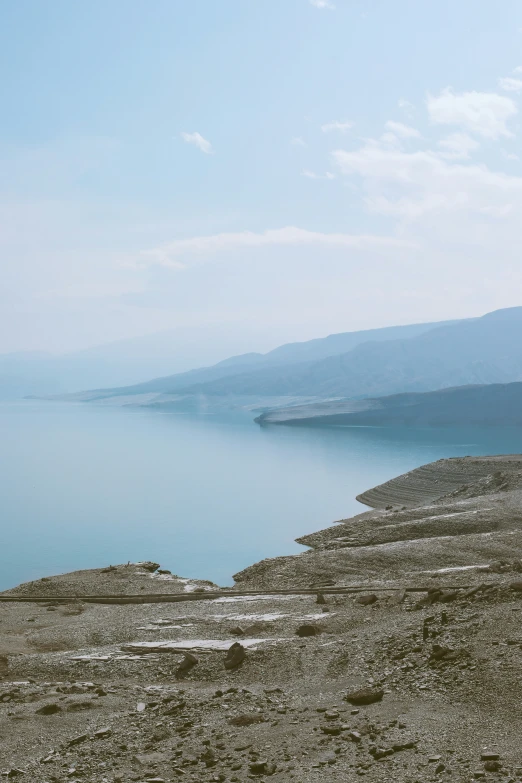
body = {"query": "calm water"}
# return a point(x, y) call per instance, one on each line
point(205, 496)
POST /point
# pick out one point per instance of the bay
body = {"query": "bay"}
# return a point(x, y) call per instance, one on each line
point(84, 486)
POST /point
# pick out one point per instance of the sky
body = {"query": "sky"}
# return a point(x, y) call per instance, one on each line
point(259, 170)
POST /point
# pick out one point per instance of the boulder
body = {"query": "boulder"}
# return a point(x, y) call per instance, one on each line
point(51, 708)
point(235, 656)
point(307, 629)
point(364, 696)
point(366, 600)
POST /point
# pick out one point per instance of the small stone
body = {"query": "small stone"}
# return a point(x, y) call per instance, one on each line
point(102, 733)
point(141, 706)
point(331, 715)
point(366, 600)
point(262, 767)
point(235, 656)
point(186, 664)
point(492, 766)
point(489, 756)
point(237, 631)
point(365, 696)
point(49, 709)
point(327, 758)
point(320, 599)
point(77, 740)
point(307, 629)
point(333, 731)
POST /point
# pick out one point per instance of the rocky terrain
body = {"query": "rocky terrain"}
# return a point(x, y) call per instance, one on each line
point(391, 649)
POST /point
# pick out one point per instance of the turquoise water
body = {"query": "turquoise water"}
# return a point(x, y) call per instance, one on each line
point(205, 496)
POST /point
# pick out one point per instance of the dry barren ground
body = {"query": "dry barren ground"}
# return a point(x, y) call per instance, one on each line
point(387, 683)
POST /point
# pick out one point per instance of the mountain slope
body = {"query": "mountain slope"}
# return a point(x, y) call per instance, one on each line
point(484, 350)
point(494, 404)
point(280, 359)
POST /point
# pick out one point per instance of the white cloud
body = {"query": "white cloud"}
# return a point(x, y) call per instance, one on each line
point(509, 84)
point(313, 175)
point(337, 125)
point(403, 131)
point(410, 185)
point(518, 69)
point(482, 113)
point(298, 141)
point(402, 103)
point(198, 141)
point(322, 4)
point(457, 145)
point(170, 254)
point(510, 155)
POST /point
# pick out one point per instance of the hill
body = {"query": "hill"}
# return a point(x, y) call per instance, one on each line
point(481, 351)
point(265, 366)
point(490, 405)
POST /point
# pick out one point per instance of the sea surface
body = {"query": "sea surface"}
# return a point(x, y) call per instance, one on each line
point(204, 495)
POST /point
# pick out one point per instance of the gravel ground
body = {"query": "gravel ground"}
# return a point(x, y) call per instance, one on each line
point(94, 692)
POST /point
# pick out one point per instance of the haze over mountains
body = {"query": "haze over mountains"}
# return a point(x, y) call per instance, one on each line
point(357, 365)
point(123, 362)
point(246, 369)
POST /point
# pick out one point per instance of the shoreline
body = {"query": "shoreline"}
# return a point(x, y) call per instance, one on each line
point(390, 648)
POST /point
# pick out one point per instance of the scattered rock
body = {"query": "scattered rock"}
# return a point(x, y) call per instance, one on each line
point(307, 629)
point(364, 696)
point(235, 656)
point(147, 565)
point(102, 733)
point(78, 740)
point(366, 600)
point(51, 708)
point(246, 720)
point(187, 663)
point(262, 767)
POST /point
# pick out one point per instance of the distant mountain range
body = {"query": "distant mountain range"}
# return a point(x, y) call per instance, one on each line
point(494, 404)
point(352, 366)
point(287, 371)
point(122, 362)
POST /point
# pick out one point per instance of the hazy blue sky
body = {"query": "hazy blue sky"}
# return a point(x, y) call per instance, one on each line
point(282, 169)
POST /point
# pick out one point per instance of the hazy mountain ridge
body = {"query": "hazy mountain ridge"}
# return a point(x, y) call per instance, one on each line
point(481, 351)
point(279, 361)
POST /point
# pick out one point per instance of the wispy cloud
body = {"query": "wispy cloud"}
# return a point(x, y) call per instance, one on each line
point(175, 254)
point(457, 145)
point(313, 175)
point(198, 141)
point(509, 84)
point(298, 141)
point(482, 113)
point(323, 4)
point(338, 125)
point(402, 131)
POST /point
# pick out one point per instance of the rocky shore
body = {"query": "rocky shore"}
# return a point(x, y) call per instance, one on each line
point(391, 649)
